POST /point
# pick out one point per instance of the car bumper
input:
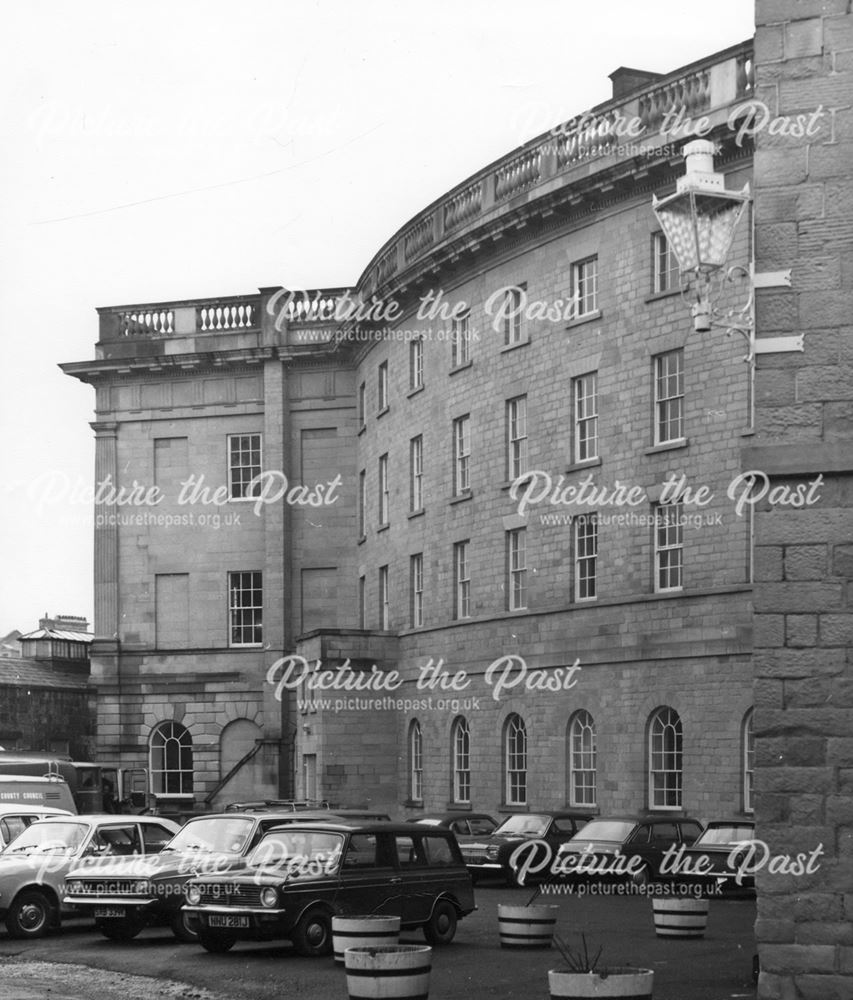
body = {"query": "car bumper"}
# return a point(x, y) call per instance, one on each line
point(86, 902)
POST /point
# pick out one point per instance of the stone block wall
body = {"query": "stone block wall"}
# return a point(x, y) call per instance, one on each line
point(803, 593)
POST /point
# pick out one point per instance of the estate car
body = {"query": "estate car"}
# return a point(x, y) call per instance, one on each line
point(300, 876)
point(126, 897)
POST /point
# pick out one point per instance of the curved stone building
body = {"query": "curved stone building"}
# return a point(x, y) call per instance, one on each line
point(485, 503)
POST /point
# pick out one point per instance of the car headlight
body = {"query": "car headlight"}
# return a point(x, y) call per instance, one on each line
point(193, 894)
point(142, 887)
point(269, 896)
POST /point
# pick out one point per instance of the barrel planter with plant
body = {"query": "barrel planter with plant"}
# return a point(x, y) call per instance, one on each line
point(363, 931)
point(581, 978)
point(388, 972)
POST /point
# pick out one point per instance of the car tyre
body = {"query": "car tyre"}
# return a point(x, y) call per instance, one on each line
point(184, 927)
point(30, 916)
point(440, 929)
point(312, 936)
point(121, 928)
point(216, 942)
point(643, 876)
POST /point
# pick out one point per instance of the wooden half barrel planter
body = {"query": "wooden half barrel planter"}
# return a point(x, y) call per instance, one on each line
point(527, 926)
point(680, 918)
point(625, 983)
point(388, 972)
point(363, 931)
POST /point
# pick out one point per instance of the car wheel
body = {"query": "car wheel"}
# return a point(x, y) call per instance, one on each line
point(216, 942)
point(642, 877)
point(121, 928)
point(30, 915)
point(184, 927)
point(312, 936)
point(441, 927)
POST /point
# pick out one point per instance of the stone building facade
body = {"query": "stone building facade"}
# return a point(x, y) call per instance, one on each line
point(804, 555)
point(522, 335)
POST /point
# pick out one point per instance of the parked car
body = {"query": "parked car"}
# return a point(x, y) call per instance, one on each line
point(645, 838)
point(491, 855)
point(33, 867)
point(126, 897)
point(14, 819)
point(715, 844)
point(468, 827)
point(301, 875)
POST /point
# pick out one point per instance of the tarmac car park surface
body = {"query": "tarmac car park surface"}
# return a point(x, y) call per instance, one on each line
point(717, 967)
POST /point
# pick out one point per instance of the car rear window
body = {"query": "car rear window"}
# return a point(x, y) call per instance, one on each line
point(729, 834)
point(605, 829)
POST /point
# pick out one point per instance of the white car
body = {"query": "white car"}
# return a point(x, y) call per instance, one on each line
point(34, 865)
point(15, 818)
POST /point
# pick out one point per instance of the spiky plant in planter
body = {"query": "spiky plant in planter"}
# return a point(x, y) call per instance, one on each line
point(579, 977)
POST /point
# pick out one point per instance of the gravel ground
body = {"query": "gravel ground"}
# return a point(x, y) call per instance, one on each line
point(52, 981)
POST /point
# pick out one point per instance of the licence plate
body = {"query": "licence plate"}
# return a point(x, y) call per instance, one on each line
point(110, 911)
point(226, 920)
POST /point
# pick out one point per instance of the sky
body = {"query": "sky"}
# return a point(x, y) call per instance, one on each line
point(183, 149)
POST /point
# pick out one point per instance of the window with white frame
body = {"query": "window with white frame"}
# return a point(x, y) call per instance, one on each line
point(362, 404)
point(669, 546)
point(384, 600)
point(517, 569)
point(665, 759)
point(170, 759)
point(582, 760)
point(585, 398)
point(362, 602)
point(362, 503)
point(515, 761)
point(245, 608)
point(586, 556)
point(585, 284)
point(382, 387)
point(384, 490)
point(460, 340)
point(416, 474)
point(748, 762)
point(461, 454)
point(511, 311)
point(461, 761)
point(416, 363)
point(665, 273)
point(461, 581)
point(244, 464)
point(669, 397)
point(416, 762)
point(416, 578)
point(516, 437)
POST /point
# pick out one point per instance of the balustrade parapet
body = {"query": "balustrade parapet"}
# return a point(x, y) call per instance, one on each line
point(698, 89)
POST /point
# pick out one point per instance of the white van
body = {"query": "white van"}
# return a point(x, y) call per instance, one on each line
point(24, 799)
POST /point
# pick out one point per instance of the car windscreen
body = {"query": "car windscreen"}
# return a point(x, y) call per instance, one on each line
point(729, 833)
point(295, 849)
point(53, 838)
point(525, 825)
point(604, 829)
point(221, 834)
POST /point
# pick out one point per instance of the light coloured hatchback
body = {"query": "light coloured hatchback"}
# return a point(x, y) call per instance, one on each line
point(34, 865)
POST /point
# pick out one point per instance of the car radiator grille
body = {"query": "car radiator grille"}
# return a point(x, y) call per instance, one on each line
point(225, 894)
point(107, 887)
